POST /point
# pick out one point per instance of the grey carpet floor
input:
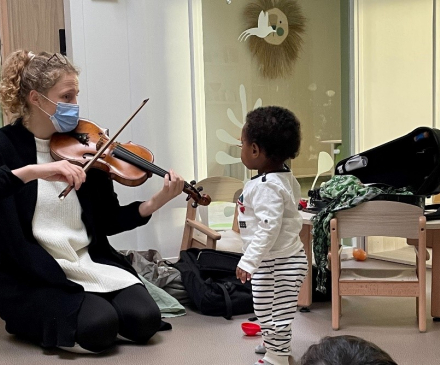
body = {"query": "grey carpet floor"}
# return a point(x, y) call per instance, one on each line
point(198, 340)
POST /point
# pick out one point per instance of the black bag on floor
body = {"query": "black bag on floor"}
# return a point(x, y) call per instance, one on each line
point(210, 281)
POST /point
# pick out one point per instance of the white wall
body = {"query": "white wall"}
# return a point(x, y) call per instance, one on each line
point(395, 69)
point(129, 51)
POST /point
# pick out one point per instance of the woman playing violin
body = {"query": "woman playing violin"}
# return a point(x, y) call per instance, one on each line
point(61, 283)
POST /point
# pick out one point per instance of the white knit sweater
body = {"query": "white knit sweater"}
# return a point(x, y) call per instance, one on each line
point(58, 228)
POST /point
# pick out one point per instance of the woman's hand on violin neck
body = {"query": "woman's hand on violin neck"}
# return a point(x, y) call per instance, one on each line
point(172, 186)
point(53, 171)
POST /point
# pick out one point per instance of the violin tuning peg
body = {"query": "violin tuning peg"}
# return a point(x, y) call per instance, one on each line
point(188, 197)
point(192, 182)
point(199, 188)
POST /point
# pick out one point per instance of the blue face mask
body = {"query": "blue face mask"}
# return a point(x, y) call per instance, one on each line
point(66, 116)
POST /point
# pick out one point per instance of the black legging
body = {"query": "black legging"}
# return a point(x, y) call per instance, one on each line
point(131, 312)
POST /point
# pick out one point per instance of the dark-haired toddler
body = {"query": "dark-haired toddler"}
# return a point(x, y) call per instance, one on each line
point(270, 223)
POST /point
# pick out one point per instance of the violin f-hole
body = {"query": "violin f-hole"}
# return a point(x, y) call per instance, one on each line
point(91, 155)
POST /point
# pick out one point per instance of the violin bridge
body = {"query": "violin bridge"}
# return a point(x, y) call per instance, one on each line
point(99, 143)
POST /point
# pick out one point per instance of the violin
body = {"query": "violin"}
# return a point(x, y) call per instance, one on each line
point(127, 163)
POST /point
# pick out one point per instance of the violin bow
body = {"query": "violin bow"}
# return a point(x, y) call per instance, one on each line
point(69, 188)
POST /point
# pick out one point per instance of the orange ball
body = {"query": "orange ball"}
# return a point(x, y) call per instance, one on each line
point(359, 254)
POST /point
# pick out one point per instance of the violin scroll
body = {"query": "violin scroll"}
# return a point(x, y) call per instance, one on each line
point(194, 194)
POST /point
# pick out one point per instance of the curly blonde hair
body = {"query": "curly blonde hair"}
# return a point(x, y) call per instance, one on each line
point(24, 71)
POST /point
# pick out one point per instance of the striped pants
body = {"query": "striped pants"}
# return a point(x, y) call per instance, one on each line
point(275, 288)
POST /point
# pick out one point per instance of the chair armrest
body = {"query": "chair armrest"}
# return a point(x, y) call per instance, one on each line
point(204, 229)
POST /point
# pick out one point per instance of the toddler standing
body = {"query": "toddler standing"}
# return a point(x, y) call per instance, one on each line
point(270, 223)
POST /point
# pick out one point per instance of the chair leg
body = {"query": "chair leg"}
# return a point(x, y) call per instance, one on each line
point(336, 270)
point(336, 309)
point(422, 318)
point(187, 238)
point(422, 314)
point(417, 307)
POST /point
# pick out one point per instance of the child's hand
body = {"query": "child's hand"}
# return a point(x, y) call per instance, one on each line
point(242, 275)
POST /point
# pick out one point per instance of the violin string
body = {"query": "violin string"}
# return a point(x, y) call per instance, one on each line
point(151, 167)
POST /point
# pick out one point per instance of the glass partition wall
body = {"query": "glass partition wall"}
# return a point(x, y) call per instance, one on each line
point(238, 66)
point(366, 73)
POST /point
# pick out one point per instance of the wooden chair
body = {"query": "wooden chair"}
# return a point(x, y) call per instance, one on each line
point(379, 218)
point(197, 234)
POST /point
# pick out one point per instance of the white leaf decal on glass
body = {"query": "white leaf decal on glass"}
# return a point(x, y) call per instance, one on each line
point(222, 157)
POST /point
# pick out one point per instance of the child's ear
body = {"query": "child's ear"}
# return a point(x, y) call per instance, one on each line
point(255, 149)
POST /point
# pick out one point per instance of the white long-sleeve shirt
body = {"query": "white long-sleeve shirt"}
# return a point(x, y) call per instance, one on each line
point(269, 219)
